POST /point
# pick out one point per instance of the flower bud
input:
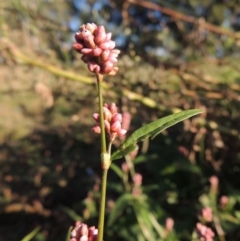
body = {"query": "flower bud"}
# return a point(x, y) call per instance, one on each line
point(107, 126)
point(107, 45)
point(86, 51)
point(137, 179)
point(96, 117)
point(86, 33)
point(126, 120)
point(121, 132)
point(116, 126)
point(117, 117)
point(86, 58)
point(108, 37)
point(113, 108)
point(91, 27)
point(104, 56)
point(83, 229)
point(96, 129)
point(107, 114)
point(96, 52)
point(89, 42)
point(93, 67)
point(99, 34)
point(107, 67)
point(78, 37)
point(84, 238)
point(114, 71)
point(77, 47)
point(169, 224)
point(125, 167)
point(112, 59)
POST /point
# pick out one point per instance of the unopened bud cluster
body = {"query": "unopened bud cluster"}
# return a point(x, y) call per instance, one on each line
point(112, 122)
point(204, 233)
point(97, 49)
point(81, 232)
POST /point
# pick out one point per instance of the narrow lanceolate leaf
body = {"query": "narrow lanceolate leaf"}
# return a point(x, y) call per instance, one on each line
point(152, 129)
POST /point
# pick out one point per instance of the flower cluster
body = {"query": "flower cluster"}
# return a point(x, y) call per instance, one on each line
point(97, 49)
point(112, 122)
point(81, 232)
point(204, 233)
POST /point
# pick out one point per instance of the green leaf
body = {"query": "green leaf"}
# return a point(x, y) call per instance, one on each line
point(127, 150)
point(120, 204)
point(152, 129)
point(68, 234)
point(71, 213)
point(117, 170)
point(32, 234)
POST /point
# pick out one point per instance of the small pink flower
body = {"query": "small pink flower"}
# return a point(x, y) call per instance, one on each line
point(207, 214)
point(214, 183)
point(224, 201)
point(137, 179)
point(169, 225)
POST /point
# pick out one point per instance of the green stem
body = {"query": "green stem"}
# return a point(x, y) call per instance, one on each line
point(103, 137)
point(105, 170)
point(102, 205)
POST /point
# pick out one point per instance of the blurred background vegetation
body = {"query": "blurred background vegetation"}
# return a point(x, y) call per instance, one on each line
point(174, 55)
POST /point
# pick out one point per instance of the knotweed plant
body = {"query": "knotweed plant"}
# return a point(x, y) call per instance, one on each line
point(99, 53)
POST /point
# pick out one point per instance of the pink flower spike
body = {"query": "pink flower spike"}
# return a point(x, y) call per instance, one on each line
point(116, 126)
point(121, 132)
point(99, 34)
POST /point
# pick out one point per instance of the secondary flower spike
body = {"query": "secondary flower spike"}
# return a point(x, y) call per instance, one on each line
point(81, 232)
point(112, 122)
point(97, 49)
